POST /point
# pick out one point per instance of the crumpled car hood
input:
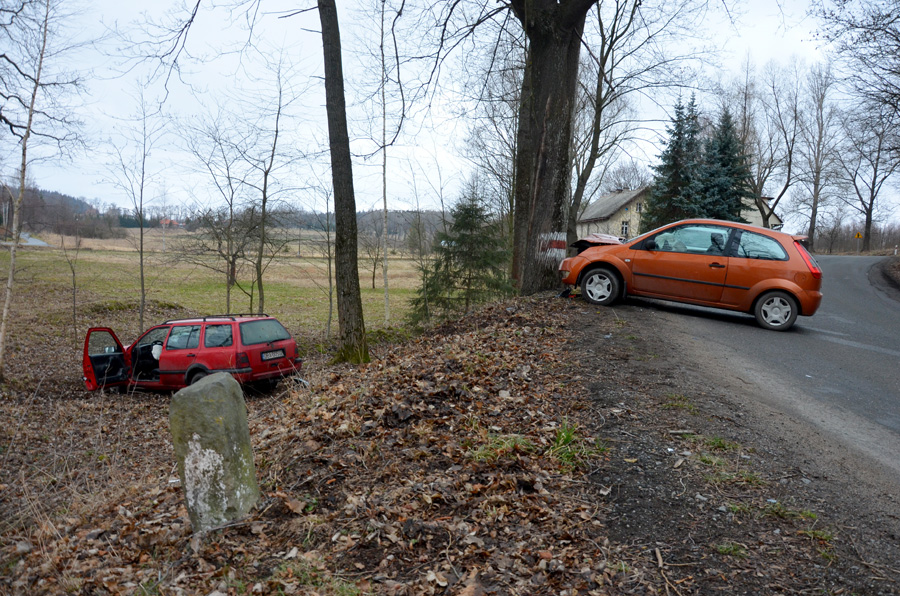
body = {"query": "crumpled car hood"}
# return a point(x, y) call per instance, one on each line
point(595, 240)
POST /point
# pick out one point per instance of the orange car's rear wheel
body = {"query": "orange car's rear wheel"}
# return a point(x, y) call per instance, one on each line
point(600, 286)
point(776, 311)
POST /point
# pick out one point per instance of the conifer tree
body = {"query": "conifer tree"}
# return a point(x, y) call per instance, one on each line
point(677, 190)
point(726, 172)
point(470, 267)
point(696, 177)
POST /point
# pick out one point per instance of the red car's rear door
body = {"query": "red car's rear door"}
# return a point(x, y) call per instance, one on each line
point(103, 361)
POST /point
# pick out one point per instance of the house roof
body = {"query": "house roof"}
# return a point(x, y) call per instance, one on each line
point(604, 207)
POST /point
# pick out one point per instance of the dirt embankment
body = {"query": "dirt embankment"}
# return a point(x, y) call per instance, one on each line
point(890, 271)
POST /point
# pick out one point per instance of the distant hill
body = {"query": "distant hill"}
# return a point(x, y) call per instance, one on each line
point(57, 212)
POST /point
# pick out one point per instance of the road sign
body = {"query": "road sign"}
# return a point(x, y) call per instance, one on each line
point(858, 235)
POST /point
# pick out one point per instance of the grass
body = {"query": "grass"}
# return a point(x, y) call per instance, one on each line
point(499, 446)
point(720, 444)
point(780, 511)
point(679, 402)
point(107, 283)
point(820, 535)
point(571, 450)
point(711, 460)
point(732, 549)
point(738, 508)
point(301, 574)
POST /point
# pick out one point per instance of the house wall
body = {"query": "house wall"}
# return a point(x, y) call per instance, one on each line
point(613, 225)
point(629, 213)
point(753, 216)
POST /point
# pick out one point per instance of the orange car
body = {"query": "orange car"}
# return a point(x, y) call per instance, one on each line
point(706, 262)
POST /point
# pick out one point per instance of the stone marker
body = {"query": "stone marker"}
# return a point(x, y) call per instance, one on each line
point(208, 421)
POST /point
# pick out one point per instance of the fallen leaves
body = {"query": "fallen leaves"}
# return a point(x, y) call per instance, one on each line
point(449, 465)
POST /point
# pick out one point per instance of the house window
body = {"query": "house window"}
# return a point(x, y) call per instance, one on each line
point(637, 207)
point(625, 229)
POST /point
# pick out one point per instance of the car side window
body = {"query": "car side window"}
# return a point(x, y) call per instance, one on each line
point(693, 239)
point(184, 337)
point(157, 334)
point(218, 336)
point(757, 246)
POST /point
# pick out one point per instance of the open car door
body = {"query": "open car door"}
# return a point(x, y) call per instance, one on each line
point(104, 359)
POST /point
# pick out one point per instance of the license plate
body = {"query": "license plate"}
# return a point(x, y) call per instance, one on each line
point(273, 355)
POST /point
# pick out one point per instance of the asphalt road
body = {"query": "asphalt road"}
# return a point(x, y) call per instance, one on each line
point(838, 370)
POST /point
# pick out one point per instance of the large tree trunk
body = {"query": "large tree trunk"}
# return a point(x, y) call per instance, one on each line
point(543, 161)
point(350, 316)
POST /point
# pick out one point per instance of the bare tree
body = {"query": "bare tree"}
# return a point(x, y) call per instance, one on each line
point(543, 164)
point(630, 54)
point(768, 116)
point(819, 142)
point(266, 158)
point(866, 36)
point(372, 242)
point(554, 33)
point(222, 241)
point(352, 327)
point(323, 245)
point(215, 149)
point(392, 103)
point(868, 162)
point(132, 173)
point(624, 175)
point(493, 123)
point(30, 111)
point(777, 146)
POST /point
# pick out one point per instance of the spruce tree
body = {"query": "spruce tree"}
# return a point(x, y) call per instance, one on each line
point(471, 265)
point(677, 189)
point(726, 173)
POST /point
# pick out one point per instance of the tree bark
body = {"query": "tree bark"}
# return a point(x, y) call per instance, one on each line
point(543, 161)
point(350, 316)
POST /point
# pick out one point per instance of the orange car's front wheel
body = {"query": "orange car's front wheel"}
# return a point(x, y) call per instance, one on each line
point(600, 286)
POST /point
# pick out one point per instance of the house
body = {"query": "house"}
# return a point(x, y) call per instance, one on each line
point(619, 214)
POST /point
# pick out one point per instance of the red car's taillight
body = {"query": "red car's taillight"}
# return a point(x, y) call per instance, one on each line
point(809, 260)
point(242, 359)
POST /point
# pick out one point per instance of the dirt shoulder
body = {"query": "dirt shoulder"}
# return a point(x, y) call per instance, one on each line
point(539, 446)
point(887, 274)
point(798, 511)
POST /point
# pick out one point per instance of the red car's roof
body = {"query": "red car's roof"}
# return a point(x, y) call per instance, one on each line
point(240, 318)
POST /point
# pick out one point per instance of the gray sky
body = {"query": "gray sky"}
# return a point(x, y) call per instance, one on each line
point(426, 164)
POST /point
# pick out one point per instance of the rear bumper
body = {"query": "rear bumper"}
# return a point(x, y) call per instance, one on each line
point(247, 375)
point(810, 302)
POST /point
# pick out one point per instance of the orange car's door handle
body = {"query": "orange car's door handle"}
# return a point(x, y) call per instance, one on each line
point(717, 265)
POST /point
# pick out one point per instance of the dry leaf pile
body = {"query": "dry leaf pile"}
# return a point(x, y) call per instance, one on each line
point(533, 447)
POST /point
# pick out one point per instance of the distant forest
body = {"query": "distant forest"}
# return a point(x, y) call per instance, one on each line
point(47, 211)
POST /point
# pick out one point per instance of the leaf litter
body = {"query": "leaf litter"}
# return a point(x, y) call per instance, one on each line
point(528, 448)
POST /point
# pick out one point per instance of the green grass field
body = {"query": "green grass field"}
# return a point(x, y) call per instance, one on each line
point(107, 281)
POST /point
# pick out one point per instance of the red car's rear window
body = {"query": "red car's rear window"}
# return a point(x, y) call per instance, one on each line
point(262, 331)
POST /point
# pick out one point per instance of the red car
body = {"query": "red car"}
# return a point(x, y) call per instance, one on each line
point(253, 348)
point(707, 262)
